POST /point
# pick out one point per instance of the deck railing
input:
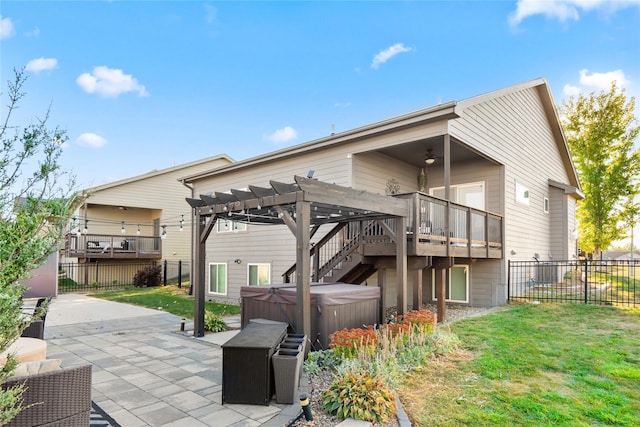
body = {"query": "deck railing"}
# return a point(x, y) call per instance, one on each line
point(112, 246)
point(472, 232)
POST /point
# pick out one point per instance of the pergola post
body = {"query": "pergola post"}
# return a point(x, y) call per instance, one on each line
point(199, 276)
point(303, 268)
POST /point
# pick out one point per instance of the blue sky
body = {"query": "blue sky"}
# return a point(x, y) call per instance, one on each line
point(145, 85)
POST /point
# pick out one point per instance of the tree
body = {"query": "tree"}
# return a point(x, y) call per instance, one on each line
point(601, 131)
point(35, 205)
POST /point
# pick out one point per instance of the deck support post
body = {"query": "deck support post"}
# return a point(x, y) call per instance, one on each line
point(417, 289)
point(382, 279)
point(401, 264)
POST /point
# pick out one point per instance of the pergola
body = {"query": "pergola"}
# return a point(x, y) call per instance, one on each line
point(303, 206)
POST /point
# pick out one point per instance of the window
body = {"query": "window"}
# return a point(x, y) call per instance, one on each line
point(259, 274)
point(470, 194)
point(218, 278)
point(546, 205)
point(522, 194)
point(457, 290)
point(226, 226)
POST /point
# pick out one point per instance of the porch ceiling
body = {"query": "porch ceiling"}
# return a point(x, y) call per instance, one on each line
point(330, 203)
point(414, 152)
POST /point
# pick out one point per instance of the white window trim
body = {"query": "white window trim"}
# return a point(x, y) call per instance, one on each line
point(258, 264)
point(226, 278)
point(231, 230)
point(433, 285)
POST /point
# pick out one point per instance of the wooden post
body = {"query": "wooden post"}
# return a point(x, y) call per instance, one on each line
point(401, 264)
point(417, 289)
point(442, 266)
point(199, 276)
point(303, 269)
point(382, 277)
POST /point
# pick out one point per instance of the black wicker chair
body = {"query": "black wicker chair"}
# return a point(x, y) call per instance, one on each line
point(60, 398)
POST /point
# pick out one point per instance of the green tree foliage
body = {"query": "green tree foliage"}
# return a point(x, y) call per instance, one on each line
point(601, 130)
point(36, 201)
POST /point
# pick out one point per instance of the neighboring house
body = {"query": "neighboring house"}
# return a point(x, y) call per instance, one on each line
point(138, 219)
point(488, 179)
point(621, 256)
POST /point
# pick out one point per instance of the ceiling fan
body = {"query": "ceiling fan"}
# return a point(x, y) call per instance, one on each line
point(429, 159)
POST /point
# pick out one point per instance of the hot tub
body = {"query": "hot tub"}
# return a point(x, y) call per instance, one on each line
point(334, 306)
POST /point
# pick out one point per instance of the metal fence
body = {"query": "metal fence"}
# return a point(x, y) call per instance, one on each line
point(582, 281)
point(101, 275)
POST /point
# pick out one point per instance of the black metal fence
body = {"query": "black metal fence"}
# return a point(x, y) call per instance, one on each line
point(582, 281)
point(102, 275)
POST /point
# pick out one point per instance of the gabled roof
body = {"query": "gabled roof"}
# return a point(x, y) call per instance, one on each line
point(427, 115)
point(544, 91)
point(157, 172)
point(446, 111)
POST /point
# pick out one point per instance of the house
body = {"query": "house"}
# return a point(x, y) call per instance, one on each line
point(485, 180)
point(621, 256)
point(134, 220)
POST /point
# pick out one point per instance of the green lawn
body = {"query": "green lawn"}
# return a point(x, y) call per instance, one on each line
point(171, 298)
point(534, 365)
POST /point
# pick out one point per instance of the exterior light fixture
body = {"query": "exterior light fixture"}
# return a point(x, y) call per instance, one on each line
point(164, 232)
point(429, 158)
point(85, 230)
point(182, 224)
point(138, 231)
point(122, 230)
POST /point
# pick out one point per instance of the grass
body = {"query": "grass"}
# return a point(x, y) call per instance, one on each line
point(534, 365)
point(171, 298)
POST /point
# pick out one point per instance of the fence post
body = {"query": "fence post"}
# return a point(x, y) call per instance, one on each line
point(586, 280)
point(508, 281)
point(164, 278)
point(97, 272)
point(180, 274)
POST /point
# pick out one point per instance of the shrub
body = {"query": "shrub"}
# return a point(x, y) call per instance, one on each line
point(213, 322)
point(345, 342)
point(361, 396)
point(148, 276)
point(424, 320)
point(320, 360)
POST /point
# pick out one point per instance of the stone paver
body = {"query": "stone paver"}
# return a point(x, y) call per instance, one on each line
point(145, 371)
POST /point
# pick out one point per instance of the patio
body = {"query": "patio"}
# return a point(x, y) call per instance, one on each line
point(146, 372)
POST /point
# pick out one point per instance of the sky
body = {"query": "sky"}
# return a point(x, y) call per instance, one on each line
point(146, 85)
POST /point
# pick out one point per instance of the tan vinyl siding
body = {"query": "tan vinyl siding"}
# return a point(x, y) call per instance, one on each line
point(514, 130)
point(154, 196)
point(372, 171)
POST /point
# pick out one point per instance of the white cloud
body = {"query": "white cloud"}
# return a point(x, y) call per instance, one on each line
point(342, 104)
point(565, 10)
point(41, 64)
point(285, 134)
point(602, 81)
point(6, 28)
point(596, 82)
point(385, 55)
point(571, 90)
point(91, 140)
point(110, 82)
point(34, 33)
point(211, 14)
